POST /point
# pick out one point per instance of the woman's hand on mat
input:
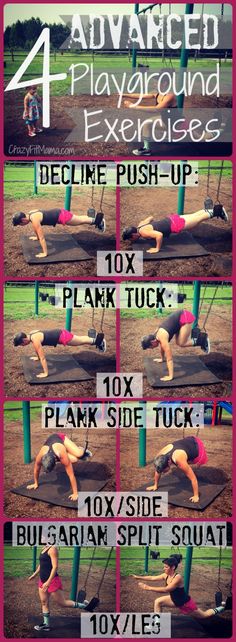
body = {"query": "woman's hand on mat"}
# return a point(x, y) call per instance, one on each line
point(158, 360)
point(74, 497)
point(153, 250)
point(34, 358)
point(42, 375)
point(154, 487)
point(41, 255)
point(194, 499)
point(33, 238)
point(166, 378)
point(32, 486)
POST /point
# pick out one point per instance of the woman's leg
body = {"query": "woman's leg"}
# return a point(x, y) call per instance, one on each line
point(72, 449)
point(199, 613)
point(183, 335)
point(162, 601)
point(192, 220)
point(80, 341)
point(44, 599)
point(60, 599)
point(80, 220)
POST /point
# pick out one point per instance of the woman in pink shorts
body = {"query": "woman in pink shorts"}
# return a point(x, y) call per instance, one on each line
point(178, 324)
point(54, 217)
point(58, 448)
point(181, 453)
point(176, 594)
point(157, 231)
point(50, 584)
point(53, 338)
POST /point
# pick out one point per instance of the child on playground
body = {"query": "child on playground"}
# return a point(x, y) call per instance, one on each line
point(176, 596)
point(31, 112)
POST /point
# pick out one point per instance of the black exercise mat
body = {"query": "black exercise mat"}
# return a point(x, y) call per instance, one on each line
point(62, 626)
point(177, 246)
point(62, 368)
point(212, 482)
point(54, 488)
point(188, 371)
point(62, 248)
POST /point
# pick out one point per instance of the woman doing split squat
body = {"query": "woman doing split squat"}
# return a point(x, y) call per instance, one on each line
point(54, 217)
point(59, 448)
point(178, 324)
point(50, 584)
point(172, 224)
point(55, 337)
point(174, 588)
point(181, 453)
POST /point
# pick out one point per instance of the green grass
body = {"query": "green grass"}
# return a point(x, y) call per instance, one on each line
point(18, 560)
point(101, 62)
point(223, 297)
point(133, 557)
point(13, 410)
point(19, 304)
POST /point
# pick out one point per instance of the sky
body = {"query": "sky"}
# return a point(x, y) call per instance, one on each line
point(51, 12)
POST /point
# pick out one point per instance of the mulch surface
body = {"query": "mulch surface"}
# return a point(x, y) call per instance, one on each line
point(15, 384)
point(88, 238)
point(218, 443)
point(215, 236)
point(219, 361)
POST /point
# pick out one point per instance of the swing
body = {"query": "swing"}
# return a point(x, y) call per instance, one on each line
point(92, 332)
point(95, 601)
point(218, 593)
point(82, 592)
point(91, 210)
point(216, 206)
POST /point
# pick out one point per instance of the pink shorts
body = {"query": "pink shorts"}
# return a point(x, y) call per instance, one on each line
point(65, 337)
point(61, 435)
point(187, 317)
point(64, 217)
point(177, 223)
point(188, 607)
point(56, 585)
point(202, 457)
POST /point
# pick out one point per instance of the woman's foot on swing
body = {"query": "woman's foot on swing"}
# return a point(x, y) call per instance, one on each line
point(219, 609)
point(204, 342)
point(100, 222)
point(218, 211)
point(100, 342)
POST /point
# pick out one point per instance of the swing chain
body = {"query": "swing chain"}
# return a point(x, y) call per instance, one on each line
point(104, 572)
point(219, 569)
point(209, 309)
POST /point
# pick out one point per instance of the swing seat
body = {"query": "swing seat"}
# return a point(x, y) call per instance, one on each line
point(208, 203)
point(92, 333)
point(218, 598)
point(81, 595)
point(94, 602)
point(229, 603)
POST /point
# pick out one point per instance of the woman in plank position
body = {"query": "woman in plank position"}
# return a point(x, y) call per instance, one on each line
point(50, 584)
point(178, 324)
point(181, 453)
point(55, 337)
point(175, 594)
point(59, 448)
point(54, 217)
point(158, 231)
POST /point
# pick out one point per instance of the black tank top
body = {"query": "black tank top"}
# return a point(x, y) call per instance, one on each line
point(163, 226)
point(172, 323)
point(54, 439)
point(45, 566)
point(178, 595)
point(50, 217)
point(50, 337)
point(189, 445)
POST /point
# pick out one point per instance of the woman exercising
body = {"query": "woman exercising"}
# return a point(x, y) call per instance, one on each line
point(52, 218)
point(161, 101)
point(176, 594)
point(178, 324)
point(172, 224)
point(59, 448)
point(55, 337)
point(50, 584)
point(181, 453)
